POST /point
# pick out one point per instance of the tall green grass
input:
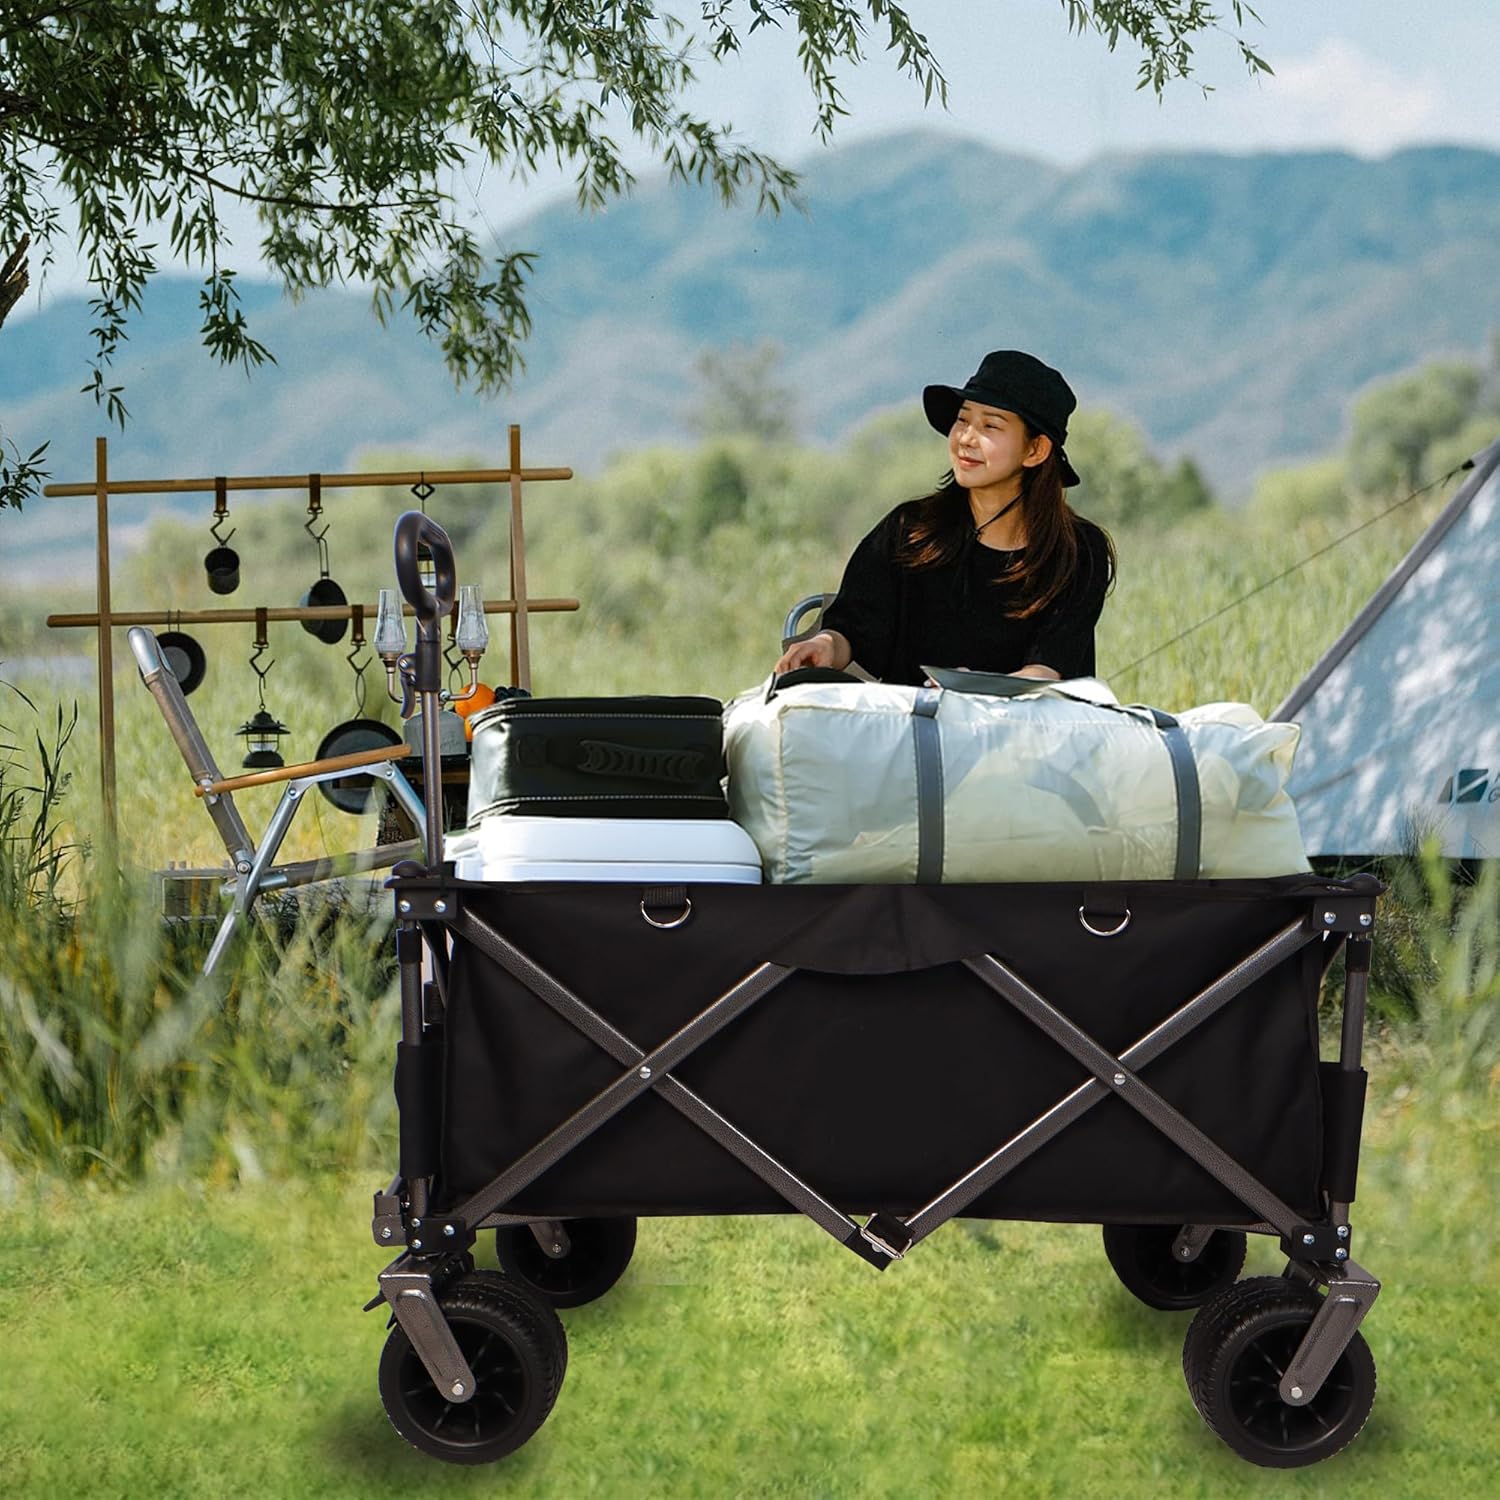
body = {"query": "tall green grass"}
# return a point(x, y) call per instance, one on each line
point(117, 1058)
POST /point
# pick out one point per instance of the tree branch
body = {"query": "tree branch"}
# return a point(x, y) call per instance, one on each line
point(15, 277)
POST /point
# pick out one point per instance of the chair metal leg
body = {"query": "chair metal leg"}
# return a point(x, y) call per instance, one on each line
point(247, 887)
point(221, 938)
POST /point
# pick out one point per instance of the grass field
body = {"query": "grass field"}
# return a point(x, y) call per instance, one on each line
point(180, 1341)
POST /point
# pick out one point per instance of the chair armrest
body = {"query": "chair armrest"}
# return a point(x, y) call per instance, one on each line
point(792, 630)
point(330, 767)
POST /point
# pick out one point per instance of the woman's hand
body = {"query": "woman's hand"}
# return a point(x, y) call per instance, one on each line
point(825, 649)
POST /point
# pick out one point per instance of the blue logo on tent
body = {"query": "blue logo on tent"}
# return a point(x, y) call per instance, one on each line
point(1469, 784)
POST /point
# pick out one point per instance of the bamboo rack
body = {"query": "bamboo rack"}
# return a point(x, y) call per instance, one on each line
point(175, 617)
point(519, 606)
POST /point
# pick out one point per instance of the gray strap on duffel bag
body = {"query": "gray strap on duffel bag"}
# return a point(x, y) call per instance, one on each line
point(930, 820)
point(928, 746)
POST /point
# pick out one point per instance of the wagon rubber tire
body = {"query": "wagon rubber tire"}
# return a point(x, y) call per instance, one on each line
point(1206, 1329)
point(517, 1370)
point(1234, 1365)
point(1141, 1255)
point(539, 1313)
point(599, 1251)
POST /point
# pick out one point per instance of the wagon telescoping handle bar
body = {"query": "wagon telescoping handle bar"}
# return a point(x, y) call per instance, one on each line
point(414, 530)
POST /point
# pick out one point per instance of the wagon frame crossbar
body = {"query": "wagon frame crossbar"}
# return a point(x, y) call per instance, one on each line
point(884, 1237)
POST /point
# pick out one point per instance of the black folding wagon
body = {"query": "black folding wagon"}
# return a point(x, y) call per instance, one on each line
point(1142, 1056)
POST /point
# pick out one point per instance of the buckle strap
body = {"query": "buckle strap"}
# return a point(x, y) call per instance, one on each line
point(888, 1233)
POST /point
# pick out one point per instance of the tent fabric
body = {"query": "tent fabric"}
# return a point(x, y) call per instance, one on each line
point(1400, 730)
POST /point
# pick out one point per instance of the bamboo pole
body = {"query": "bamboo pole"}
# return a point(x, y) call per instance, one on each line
point(106, 644)
point(291, 612)
point(300, 482)
point(520, 633)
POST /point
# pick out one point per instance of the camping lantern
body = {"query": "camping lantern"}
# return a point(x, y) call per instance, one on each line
point(262, 733)
point(427, 569)
point(390, 628)
point(473, 630)
point(471, 635)
point(391, 643)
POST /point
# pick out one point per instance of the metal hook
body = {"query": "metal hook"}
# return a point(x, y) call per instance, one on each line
point(221, 511)
point(262, 645)
point(422, 490)
point(357, 645)
point(315, 511)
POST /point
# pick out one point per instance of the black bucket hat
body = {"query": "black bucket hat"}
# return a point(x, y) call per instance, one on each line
point(1016, 382)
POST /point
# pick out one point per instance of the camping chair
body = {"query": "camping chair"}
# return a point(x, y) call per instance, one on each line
point(793, 630)
point(254, 867)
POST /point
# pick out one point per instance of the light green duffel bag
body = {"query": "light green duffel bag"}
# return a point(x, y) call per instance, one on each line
point(872, 783)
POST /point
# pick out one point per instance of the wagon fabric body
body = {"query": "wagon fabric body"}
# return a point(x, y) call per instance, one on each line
point(880, 1058)
point(881, 1067)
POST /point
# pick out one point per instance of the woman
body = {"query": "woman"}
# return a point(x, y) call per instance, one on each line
point(993, 571)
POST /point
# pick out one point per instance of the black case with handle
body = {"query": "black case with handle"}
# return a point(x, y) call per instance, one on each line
point(647, 757)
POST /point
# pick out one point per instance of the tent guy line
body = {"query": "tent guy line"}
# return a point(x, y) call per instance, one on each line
point(1416, 494)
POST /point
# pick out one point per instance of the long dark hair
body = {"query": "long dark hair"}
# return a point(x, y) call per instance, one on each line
point(941, 527)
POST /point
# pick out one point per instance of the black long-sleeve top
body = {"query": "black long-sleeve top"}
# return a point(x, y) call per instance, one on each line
point(899, 619)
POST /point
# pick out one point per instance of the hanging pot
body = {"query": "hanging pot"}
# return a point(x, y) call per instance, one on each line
point(351, 793)
point(184, 658)
point(222, 564)
point(322, 594)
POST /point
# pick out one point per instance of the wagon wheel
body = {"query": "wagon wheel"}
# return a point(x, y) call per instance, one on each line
point(1205, 1328)
point(547, 1324)
point(1234, 1364)
point(517, 1360)
point(598, 1252)
point(1143, 1259)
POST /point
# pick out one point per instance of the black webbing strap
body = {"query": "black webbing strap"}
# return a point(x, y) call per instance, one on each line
point(928, 744)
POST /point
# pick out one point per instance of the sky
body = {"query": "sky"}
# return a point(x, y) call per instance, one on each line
point(1367, 76)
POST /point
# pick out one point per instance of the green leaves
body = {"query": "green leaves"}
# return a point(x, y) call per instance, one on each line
point(1164, 30)
point(19, 477)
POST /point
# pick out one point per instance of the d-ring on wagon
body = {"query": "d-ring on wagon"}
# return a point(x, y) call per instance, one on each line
point(1139, 1055)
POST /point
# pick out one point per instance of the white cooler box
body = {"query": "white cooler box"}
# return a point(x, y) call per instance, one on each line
point(655, 851)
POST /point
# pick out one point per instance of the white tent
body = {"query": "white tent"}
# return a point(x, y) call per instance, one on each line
point(1401, 717)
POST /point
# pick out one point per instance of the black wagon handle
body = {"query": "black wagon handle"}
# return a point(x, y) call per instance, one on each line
point(414, 530)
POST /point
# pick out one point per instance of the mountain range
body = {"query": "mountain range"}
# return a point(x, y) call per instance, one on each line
point(1231, 306)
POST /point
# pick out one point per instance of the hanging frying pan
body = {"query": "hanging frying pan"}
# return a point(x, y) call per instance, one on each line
point(351, 793)
point(324, 592)
point(184, 658)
